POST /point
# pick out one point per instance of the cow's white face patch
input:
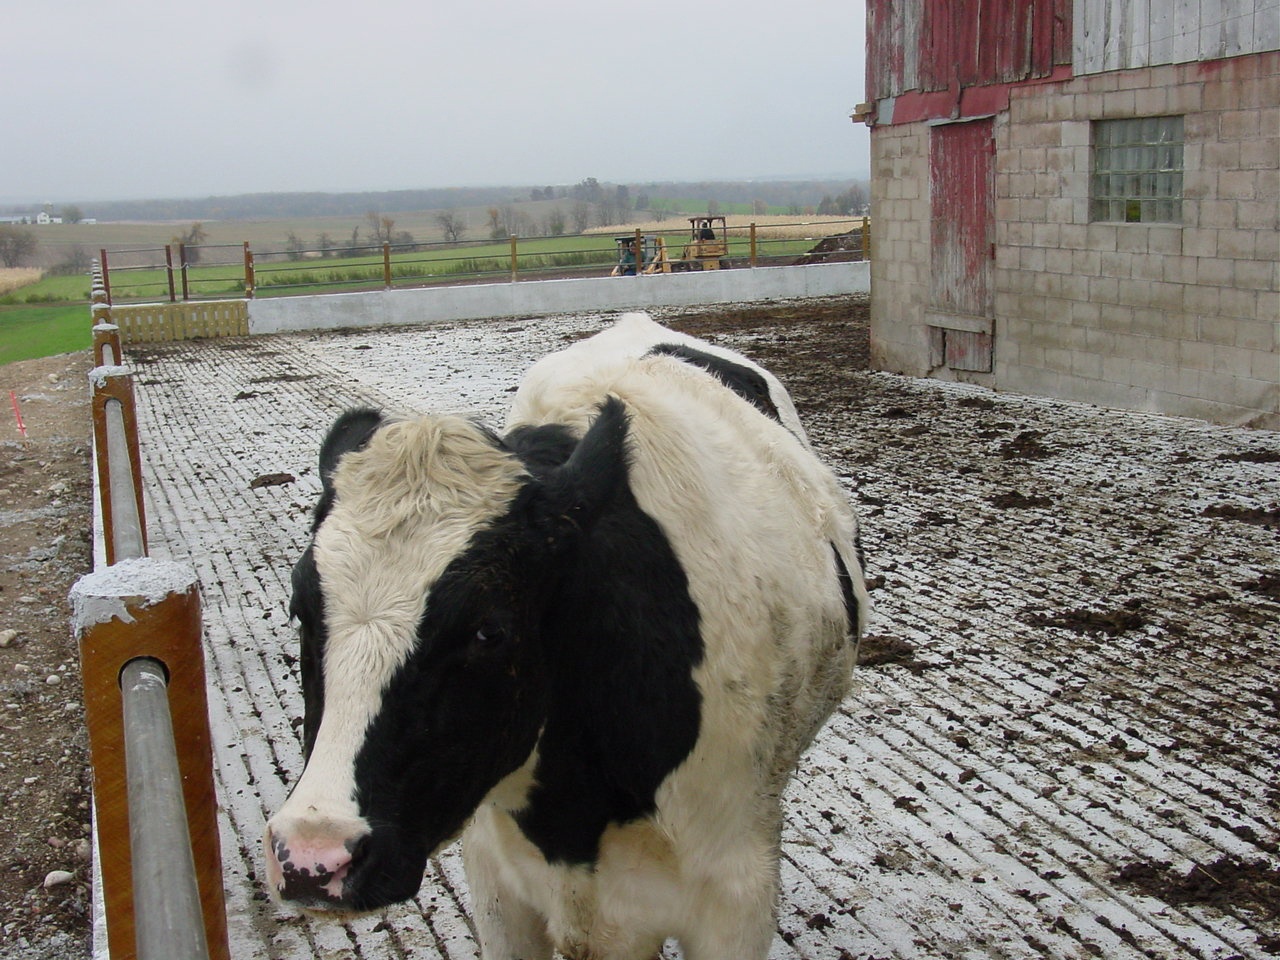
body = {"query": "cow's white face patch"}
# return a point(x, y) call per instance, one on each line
point(406, 505)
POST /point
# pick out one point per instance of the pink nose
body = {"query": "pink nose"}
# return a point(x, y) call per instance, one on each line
point(310, 872)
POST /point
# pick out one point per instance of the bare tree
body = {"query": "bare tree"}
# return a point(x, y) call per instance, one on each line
point(16, 245)
point(75, 262)
point(580, 214)
point(381, 227)
point(452, 225)
point(191, 241)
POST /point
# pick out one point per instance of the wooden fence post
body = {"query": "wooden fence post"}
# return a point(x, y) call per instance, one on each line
point(753, 243)
point(513, 258)
point(115, 440)
point(386, 265)
point(168, 269)
point(147, 608)
point(104, 274)
point(250, 278)
point(106, 343)
point(182, 265)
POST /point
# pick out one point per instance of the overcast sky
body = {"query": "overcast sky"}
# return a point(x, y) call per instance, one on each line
point(161, 98)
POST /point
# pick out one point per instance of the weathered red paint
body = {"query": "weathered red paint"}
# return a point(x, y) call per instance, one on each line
point(968, 102)
point(962, 215)
point(943, 59)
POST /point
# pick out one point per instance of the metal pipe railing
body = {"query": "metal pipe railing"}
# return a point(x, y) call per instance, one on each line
point(168, 919)
point(137, 622)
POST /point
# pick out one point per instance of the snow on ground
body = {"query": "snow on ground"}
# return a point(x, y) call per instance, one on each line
point(1065, 740)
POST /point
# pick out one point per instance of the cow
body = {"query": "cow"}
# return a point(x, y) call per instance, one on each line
point(594, 645)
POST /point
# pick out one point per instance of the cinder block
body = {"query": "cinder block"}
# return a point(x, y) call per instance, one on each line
point(1237, 245)
point(1215, 272)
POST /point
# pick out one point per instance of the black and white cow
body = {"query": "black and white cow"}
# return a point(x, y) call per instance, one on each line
point(595, 645)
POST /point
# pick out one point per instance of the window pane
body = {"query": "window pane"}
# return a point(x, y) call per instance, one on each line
point(1136, 161)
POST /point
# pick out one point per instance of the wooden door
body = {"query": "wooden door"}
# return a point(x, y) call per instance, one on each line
point(962, 218)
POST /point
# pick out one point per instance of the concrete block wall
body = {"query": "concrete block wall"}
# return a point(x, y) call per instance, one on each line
point(1182, 319)
point(900, 248)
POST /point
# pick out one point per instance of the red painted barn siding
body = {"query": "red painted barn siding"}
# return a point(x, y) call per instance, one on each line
point(961, 214)
point(927, 46)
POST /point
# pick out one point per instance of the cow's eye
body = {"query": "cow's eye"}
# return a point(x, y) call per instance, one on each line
point(490, 636)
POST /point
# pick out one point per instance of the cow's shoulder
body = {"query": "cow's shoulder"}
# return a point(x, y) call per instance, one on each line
point(745, 380)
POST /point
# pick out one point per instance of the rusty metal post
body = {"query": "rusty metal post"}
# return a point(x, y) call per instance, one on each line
point(753, 243)
point(115, 441)
point(168, 267)
point(106, 274)
point(182, 265)
point(250, 278)
point(639, 252)
point(386, 265)
point(147, 608)
point(866, 238)
point(513, 258)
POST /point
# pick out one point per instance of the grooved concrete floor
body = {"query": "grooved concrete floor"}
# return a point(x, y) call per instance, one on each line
point(1066, 736)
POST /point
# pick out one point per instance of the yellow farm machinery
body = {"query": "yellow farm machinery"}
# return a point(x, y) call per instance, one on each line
point(706, 249)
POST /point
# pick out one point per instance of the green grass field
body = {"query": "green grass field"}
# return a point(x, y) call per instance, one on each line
point(42, 331)
point(52, 315)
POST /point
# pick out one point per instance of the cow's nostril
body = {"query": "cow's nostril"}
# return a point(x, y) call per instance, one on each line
point(310, 873)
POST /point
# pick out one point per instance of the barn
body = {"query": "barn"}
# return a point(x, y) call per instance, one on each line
point(1080, 199)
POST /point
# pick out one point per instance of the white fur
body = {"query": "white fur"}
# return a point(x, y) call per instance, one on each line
point(632, 336)
point(751, 515)
point(376, 570)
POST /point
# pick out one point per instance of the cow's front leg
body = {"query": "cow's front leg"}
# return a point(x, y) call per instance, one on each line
point(735, 914)
point(509, 928)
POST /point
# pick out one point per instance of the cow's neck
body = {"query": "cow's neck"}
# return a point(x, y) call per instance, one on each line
point(623, 639)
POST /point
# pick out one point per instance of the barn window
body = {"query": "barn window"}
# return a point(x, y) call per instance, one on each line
point(1137, 170)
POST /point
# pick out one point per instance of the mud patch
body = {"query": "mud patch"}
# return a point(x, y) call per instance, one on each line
point(1259, 517)
point(1026, 446)
point(1267, 585)
point(1226, 884)
point(271, 480)
point(880, 650)
point(1109, 622)
point(1017, 500)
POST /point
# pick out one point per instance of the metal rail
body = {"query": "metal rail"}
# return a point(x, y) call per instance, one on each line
point(168, 920)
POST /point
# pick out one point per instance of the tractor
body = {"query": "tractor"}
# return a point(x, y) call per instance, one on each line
point(707, 249)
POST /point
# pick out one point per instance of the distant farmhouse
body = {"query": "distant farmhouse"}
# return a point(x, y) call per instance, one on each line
point(1080, 199)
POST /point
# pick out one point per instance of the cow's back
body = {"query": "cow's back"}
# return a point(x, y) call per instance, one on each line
point(760, 527)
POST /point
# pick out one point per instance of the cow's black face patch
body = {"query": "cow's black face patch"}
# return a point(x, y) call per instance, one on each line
point(741, 379)
point(307, 607)
point(565, 624)
point(463, 713)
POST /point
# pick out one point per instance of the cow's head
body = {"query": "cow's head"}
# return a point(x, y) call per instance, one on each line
point(435, 553)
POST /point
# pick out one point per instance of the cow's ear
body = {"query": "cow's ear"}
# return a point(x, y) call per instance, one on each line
point(351, 431)
point(576, 492)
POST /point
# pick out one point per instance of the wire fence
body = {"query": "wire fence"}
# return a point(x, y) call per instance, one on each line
point(182, 271)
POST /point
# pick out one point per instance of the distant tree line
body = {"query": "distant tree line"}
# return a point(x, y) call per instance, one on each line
point(787, 194)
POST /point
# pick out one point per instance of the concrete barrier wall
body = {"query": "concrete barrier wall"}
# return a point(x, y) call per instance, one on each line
point(534, 298)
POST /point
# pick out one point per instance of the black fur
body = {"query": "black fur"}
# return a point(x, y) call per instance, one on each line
point(569, 617)
point(846, 588)
point(743, 380)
